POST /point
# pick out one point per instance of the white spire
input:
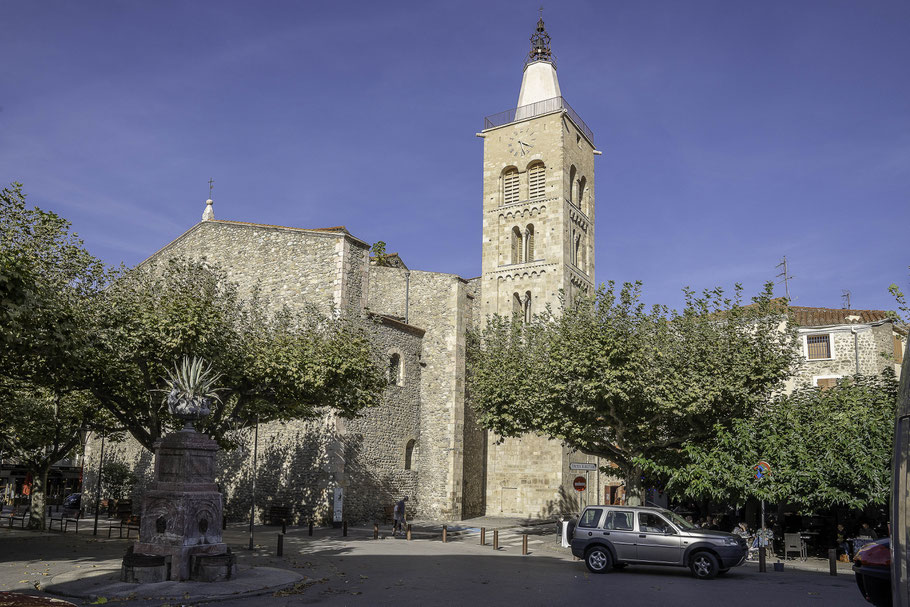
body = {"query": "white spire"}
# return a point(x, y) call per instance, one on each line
point(208, 214)
point(539, 81)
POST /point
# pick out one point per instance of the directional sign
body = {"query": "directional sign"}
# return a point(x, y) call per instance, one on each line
point(582, 466)
point(580, 483)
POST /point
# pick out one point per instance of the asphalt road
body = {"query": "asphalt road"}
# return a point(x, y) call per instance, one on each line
point(360, 571)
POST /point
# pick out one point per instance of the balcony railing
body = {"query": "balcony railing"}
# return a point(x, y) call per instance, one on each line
point(538, 109)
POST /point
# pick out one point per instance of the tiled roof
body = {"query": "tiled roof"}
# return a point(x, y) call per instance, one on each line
point(813, 317)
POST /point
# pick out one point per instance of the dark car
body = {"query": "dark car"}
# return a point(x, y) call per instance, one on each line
point(73, 501)
point(872, 565)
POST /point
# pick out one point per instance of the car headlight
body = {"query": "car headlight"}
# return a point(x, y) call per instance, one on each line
point(727, 541)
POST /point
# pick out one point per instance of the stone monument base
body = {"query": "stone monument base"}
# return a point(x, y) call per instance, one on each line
point(181, 555)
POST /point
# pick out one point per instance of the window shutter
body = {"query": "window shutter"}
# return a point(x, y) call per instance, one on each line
point(530, 244)
point(819, 346)
point(510, 187)
point(898, 350)
point(826, 383)
point(537, 179)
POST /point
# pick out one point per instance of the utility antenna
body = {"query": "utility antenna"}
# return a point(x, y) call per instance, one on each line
point(784, 276)
point(540, 10)
point(211, 187)
point(845, 295)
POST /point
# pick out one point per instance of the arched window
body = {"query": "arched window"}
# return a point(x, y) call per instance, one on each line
point(395, 369)
point(527, 306)
point(529, 243)
point(510, 186)
point(517, 305)
point(581, 193)
point(517, 245)
point(537, 180)
point(572, 173)
point(409, 454)
point(576, 251)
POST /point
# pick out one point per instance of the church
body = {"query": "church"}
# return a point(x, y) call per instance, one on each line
point(424, 441)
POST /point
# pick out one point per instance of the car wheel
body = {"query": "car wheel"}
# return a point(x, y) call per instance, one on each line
point(598, 560)
point(704, 565)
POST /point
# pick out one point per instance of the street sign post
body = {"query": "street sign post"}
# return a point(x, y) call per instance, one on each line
point(582, 466)
point(580, 483)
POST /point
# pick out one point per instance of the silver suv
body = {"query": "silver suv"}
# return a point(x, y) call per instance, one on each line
point(611, 537)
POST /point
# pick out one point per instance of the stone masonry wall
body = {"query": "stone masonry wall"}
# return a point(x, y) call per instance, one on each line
point(874, 344)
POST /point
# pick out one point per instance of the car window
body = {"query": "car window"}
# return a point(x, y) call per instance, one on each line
point(619, 521)
point(651, 523)
point(590, 517)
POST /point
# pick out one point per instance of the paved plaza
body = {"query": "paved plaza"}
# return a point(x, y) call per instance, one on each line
point(358, 570)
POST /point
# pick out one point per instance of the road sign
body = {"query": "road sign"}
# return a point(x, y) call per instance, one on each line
point(582, 466)
point(761, 469)
point(580, 483)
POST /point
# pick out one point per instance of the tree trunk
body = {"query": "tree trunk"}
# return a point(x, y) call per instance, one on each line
point(635, 491)
point(38, 504)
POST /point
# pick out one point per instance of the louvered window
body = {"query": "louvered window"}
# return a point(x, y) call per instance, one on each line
point(510, 187)
point(537, 180)
point(819, 346)
point(826, 383)
point(517, 245)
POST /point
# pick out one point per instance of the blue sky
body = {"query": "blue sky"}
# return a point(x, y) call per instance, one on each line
point(734, 132)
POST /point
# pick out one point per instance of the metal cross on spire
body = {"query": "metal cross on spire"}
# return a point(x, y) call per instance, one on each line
point(211, 187)
point(540, 43)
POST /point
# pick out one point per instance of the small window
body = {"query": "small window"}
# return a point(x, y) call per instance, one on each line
point(529, 243)
point(590, 517)
point(409, 454)
point(510, 186)
point(537, 181)
point(581, 193)
point(619, 521)
point(517, 245)
point(818, 346)
point(395, 369)
point(826, 383)
point(572, 192)
point(527, 306)
point(517, 307)
point(648, 522)
point(898, 350)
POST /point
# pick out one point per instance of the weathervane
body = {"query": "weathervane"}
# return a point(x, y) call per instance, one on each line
point(211, 187)
point(540, 44)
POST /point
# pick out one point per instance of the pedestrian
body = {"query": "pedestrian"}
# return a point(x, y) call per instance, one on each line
point(399, 516)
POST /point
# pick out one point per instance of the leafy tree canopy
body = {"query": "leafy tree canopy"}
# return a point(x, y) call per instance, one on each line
point(274, 365)
point(613, 379)
point(825, 447)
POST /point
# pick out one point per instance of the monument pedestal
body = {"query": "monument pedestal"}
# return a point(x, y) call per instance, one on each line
point(182, 509)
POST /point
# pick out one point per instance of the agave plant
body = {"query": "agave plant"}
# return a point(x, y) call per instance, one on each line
point(191, 389)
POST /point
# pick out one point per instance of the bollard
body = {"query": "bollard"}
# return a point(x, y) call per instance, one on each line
point(280, 544)
point(524, 544)
point(375, 531)
point(483, 536)
point(762, 565)
point(284, 526)
point(311, 527)
point(445, 529)
point(496, 539)
point(409, 532)
point(832, 560)
point(344, 529)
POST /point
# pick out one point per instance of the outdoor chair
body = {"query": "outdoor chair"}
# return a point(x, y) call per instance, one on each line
point(128, 520)
point(19, 513)
point(794, 543)
point(64, 518)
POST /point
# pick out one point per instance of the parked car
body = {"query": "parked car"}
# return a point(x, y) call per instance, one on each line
point(73, 501)
point(611, 537)
point(872, 565)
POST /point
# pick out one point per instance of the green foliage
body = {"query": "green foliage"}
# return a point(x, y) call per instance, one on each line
point(613, 379)
point(117, 479)
point(904, 315)
point(825, 447)
point(193, 379)
point(378, 252)
point(274, 365)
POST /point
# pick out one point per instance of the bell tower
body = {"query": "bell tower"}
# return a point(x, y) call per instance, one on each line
point(538, 245)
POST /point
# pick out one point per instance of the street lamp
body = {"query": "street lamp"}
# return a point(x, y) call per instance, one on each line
point(253, 493)
point(98, 486)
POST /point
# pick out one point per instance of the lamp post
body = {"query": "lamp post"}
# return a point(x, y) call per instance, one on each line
point(98, 486)
point(253, 493)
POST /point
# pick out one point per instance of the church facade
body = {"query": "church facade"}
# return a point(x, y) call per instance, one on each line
point(424, 440)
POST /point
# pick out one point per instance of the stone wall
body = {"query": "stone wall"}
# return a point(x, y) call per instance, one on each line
point(874, 343)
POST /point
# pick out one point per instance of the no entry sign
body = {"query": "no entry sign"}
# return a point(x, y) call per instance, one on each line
point(580, 483)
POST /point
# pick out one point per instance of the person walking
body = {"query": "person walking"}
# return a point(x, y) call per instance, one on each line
point(400, 517)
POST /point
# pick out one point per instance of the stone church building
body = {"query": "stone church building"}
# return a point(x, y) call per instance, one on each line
point(424, 441)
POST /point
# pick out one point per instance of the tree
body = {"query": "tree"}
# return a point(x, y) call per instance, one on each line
point(47, 280)
point(273, 365)
point(904, 315)
point(825, 447)
point(610, 379)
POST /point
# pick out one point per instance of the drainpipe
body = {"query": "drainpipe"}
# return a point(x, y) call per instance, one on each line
point(407, 294)
point(855, 347)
